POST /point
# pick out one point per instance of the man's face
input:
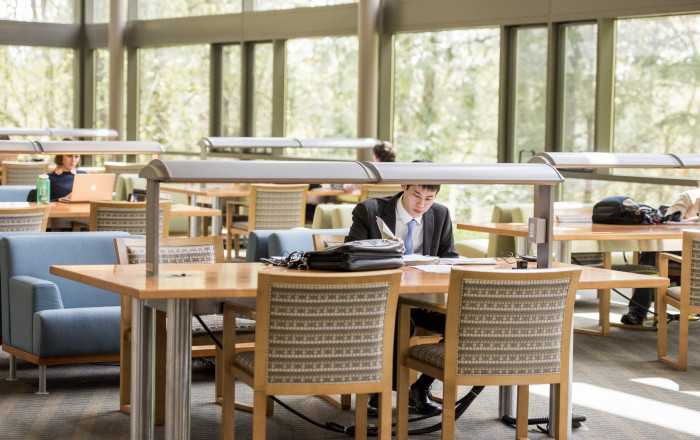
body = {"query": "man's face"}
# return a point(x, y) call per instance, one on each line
point(417, 200)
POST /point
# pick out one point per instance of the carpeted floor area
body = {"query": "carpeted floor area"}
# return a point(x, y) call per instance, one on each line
point(619, 387)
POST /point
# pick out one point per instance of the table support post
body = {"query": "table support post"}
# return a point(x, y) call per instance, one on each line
point(152, 227)
point(178, 372)
point(506, 402)
point(142, 371)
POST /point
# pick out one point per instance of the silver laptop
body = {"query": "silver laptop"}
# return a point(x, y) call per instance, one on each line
point(88, 187)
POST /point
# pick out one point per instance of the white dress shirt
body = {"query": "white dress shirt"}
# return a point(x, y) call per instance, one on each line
point(401, 227)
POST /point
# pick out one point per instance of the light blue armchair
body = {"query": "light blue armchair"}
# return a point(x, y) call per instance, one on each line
point(49, 320)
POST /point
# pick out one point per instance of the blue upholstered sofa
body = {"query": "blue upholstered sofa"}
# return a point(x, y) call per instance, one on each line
point(51, 320)
point(265, 243)
point(15, 193)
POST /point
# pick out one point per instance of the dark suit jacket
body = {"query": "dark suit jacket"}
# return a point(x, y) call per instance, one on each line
point(438, 240)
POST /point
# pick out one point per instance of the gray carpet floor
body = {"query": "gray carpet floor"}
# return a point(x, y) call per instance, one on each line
point(618, 385)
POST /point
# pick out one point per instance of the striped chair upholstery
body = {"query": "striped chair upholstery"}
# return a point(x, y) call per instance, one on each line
point(274, 207)
point(118, 168)
point(370, 191)
point(24, 219)
point(686, 298)
point(197, 250)
point(23, 173)
point(328, 333)
point(126, 216)
point(502, 328)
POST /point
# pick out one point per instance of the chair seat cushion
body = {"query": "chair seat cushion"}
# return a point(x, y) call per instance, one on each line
point(639, 269)
point(215, 323)
point(245, 361)
point(432, 354)
point(674, 292)
point(240, 225)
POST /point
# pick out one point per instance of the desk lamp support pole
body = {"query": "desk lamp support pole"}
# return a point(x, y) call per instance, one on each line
point(152, 229)
point(544, 208)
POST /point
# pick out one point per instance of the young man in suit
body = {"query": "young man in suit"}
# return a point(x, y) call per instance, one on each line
point(426, 228)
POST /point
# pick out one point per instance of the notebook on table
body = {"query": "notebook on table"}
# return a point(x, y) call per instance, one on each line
point(88, 187)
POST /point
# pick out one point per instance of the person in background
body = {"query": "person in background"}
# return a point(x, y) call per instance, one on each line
point(426, 228)
point(686, 207)
point(61, 178)
point(7, 157)
point(383, 152)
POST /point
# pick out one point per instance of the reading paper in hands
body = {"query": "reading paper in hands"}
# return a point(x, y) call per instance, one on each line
point(384, 229)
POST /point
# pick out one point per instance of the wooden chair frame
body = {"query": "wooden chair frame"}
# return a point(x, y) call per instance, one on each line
point(39, 208)
point(6, 165)
point(201, 346)
point(320, 240)
point(663, 300)
point(262, 390)
point(94, 205)
point(233, 235)
point(448, 374)
point(368, 187)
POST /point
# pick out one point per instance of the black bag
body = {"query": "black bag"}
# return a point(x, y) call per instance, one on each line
point(355, 255)
point(621, 210)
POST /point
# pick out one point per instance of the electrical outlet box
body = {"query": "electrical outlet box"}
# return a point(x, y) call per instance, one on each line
point(536, 230)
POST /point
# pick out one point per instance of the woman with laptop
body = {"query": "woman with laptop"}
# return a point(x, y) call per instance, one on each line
point(62, 177)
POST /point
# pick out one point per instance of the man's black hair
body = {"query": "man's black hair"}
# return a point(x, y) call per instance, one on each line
point(435, 188)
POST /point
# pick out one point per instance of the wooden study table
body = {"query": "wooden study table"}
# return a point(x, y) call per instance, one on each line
point(180, 283)
point(82, 210)
point(666, 237)
point(218, 192)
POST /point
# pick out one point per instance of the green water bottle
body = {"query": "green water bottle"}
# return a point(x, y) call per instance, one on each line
point(43, 189)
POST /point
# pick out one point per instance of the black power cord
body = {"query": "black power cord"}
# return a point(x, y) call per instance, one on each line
point(576, 420)
point(372, 430)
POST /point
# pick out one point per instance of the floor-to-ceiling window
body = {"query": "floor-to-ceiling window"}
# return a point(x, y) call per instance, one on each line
point(579, 85)
point(37, 87)
point(446, 104)
point(151, 9)
point(322, 90)
point(530, 92)
point(656, 104)
point(231, 90)
point(262, 89)
point(174, 96)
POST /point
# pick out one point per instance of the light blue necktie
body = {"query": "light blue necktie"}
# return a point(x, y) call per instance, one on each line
point(408, 242)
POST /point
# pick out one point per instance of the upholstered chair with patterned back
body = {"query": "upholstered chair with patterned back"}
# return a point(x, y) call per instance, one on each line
point(317, 333)
point(277, 207)
point(196, 250)
point(686, 298)
point(118, 168)
point(322, 241)
point(503, 327)
point(126, 216)
point(24, 219)
point(23, 173)
point(372, 191)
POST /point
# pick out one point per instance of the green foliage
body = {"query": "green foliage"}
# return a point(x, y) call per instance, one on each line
point(322, 90)
point(37, 87)
point(174, 96)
